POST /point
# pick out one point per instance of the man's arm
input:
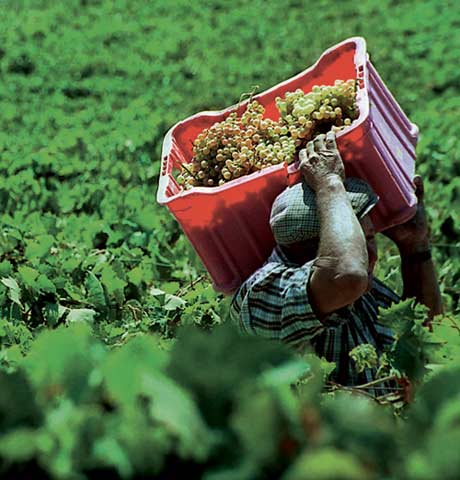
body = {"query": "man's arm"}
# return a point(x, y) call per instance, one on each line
point(420, 280)
point(417, 267)
point(340, 270)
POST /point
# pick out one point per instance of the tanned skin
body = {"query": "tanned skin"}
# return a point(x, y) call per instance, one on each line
point(419, 278)
point(340, 271)
point(346, 253)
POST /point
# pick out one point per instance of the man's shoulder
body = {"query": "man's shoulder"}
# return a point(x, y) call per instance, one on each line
point(267, 273)
point(262, 284)
point(274, 303)
point(273, 279)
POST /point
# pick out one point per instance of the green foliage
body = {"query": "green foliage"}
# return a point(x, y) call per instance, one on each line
point(78, 406)
point(240, 360)
point(433, 430)
point(74, 407)
point(364, 356)
point(414, 346)
point(326, 464)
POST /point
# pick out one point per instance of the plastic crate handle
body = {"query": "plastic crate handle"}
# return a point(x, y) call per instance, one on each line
point(165, 168)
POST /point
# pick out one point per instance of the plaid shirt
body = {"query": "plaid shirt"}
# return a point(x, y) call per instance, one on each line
point(274, 303)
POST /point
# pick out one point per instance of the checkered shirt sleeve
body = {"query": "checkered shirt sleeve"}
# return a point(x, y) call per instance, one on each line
point(273, 303)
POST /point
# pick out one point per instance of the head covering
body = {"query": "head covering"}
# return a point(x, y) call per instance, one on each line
point(294, 216)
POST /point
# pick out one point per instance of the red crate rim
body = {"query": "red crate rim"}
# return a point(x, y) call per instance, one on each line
point(360, 58)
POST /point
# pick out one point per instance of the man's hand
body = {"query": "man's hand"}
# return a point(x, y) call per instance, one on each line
point(413, 235)
point(320, 160)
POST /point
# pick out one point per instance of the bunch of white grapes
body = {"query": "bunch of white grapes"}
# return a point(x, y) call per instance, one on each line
point(238, 146)
point(325, 108)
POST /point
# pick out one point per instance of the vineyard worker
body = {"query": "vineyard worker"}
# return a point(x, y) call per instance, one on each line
point(317, 286)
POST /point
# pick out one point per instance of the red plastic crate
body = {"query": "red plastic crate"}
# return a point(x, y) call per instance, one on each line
point(229, 225)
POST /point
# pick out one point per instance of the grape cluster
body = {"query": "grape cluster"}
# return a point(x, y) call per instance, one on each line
point(238, 146)
point(325, 108)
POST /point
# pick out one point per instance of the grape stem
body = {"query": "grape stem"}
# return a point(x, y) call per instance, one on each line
point(248, 94)
point(184, 289)
point(187, 170)
point(361, 390)
point(375, 382)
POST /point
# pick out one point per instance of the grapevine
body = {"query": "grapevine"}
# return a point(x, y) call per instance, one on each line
point(241, 145)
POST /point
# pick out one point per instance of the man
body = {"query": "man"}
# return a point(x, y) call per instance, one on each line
point(317, 287)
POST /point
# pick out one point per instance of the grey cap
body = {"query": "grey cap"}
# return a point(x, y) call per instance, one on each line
point(294, 216)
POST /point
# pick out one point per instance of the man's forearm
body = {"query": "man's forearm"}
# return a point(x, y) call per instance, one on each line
point(341, 235)
point(417, 268)
point(340, 270)
point(420, 279)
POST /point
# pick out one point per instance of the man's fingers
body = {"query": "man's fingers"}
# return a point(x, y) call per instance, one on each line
point(419, 188)
point(310, 150)
point(303, 155)
point(330, 140)
point(319, 142)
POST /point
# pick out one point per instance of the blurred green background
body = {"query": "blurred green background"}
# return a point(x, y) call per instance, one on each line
point(89, 88)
